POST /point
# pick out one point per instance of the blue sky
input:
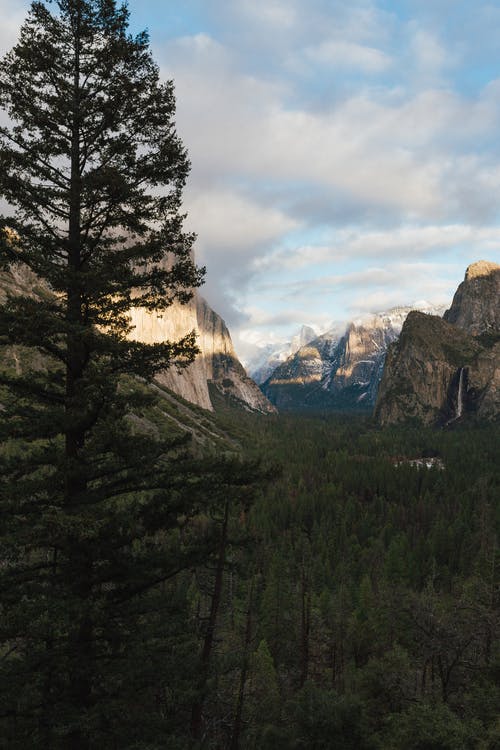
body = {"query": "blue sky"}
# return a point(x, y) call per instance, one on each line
point(345, 154)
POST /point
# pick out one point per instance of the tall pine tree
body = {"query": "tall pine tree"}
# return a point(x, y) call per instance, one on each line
point(94, 515)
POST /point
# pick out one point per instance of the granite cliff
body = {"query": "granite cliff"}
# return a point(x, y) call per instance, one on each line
point(444, 369)
point(217, 365)
point(296, 383)
point(476, 304)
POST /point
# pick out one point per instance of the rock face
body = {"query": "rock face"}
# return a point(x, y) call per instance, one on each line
point(217, 364)
point(337, 372)
point(271, 356)
point(476, 304)
point(296, 383)
point(443, 370)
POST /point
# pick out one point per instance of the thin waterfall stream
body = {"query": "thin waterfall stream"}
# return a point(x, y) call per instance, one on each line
point(460, 395)
point(459, 403)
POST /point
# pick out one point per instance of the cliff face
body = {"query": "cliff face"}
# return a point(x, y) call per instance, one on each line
point(422, 371)
point(155, 327)
point(442, 370)
point(296, 383)
point(217, 363)
point(360, 356)
point(476, 304)
point(267, 358)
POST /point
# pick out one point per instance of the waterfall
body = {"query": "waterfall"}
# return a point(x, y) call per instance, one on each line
point(458, 402)
point(460, 395)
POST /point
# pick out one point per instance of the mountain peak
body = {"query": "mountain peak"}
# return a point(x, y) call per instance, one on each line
point(481, 268)
point(475, 304)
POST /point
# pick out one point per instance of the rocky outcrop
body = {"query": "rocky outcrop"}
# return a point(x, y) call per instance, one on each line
point(444, 370)
point(216, 365)
point(154, 327)
point(476, 304)
point(267, 358)
point(296, 383)
point(423, 370)
point(338, 372)
point(359, 360)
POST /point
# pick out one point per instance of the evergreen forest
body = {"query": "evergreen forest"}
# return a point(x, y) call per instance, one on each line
point(327, 591)
point(362, 611)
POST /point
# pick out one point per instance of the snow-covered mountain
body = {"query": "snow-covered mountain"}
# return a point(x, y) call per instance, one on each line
point(269, 356)
point(340, 371)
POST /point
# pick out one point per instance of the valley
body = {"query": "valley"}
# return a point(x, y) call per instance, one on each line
point(303, 556)
point(330, 555)
point(358, 607)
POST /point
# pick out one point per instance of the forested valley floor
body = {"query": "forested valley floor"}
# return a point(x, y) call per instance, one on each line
point(302, 581)
point(355, 603)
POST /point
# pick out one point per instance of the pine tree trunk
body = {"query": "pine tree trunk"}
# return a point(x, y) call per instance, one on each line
point(47, 708)
point(197, 708)
point(74, 437)
point(81, 639)
point(305, 629)
point(235, 738)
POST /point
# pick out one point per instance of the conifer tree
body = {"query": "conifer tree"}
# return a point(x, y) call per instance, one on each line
point(93, 171)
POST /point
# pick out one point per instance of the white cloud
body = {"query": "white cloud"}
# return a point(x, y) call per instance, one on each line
point(398, 153)
point(429, 54)
point(366, 290)
point(404, 158)
point(417, 241)
point(342, 54)
point(226, 221)
point(273, 12)
point(263, 327)
point(283, 138)
point(388, 245)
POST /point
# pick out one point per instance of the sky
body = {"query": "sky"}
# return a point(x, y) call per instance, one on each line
point(345, 153)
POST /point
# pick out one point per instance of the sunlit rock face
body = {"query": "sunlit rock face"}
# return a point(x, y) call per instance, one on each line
point(338, 371)
point(270, 356)
point(476, 304)
point(442, 371)
point(216, 364)
point(168, 325)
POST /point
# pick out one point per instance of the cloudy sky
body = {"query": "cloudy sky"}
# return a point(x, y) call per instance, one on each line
point(345, 153)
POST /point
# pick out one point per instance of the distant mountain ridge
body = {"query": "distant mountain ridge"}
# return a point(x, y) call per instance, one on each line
point(339, 371)
point(267, 358)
